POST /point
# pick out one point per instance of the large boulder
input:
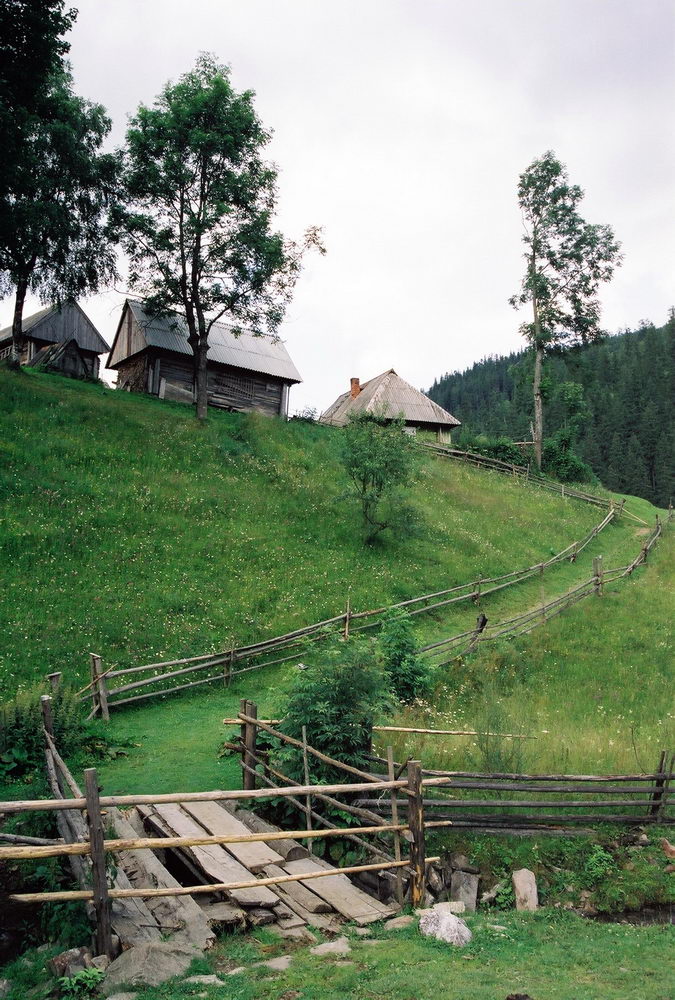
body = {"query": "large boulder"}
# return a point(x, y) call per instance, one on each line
point(438, 922)
point(464, 889)
point(525, 889)
point(149, 964)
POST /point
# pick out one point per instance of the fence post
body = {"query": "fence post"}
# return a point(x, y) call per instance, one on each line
point(660, 787)
point(47, 713)
point(54, 681)
point(597, 573)
point(100, 686)
point(308, 798)
point(104, 944)
point(227, 672)
point(394, 820)
point(249, 736)
point(348, 615)
point(416, 827)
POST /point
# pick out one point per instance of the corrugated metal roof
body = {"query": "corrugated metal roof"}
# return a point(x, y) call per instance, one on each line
point(261, 354)
point(392, 396)
point(55, 325)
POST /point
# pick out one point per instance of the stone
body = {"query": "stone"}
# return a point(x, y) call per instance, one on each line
point(100, 962)
point(205, 981)
point(398, 923)
point(123, 996)
point(464, 889)
point(5, 987)
point(497, 927)
point(525, 889)
point(69, 962)
point(340, 946)
point(445, 926)
point(276, 964)
point(362, 931)
point(149, 964)
point(491, 894)
point(237, 971)
point(460, 863)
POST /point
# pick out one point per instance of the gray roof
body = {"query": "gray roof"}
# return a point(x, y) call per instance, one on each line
point(390, 395)
point(56, 324)
point(263, 354)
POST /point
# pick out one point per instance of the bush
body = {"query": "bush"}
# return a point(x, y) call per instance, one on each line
point(501, 448)
point(561, 462)
point(408, 676)
point(337, 699)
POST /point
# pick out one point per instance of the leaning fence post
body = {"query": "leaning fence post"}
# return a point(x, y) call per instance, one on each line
point(100, 686)
point(99, 879)
point(416, 827)
point(597, 574)
point(47, 713)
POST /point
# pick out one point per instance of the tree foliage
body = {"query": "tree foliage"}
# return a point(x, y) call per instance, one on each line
point(337, 699)
point(566, 260)
point(378, 458)
point(408, 676)
point(199, 219)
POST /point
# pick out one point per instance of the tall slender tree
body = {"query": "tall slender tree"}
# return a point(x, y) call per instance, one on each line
point(54, 237)
point(199, 215)
point(566, 260)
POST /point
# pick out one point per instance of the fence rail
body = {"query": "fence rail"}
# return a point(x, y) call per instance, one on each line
point(222, 666)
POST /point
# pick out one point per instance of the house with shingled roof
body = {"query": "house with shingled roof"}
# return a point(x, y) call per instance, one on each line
point(391, 396)
point(59, 325)
point(245, 371)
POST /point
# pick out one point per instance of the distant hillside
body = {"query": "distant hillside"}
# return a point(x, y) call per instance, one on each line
point(625, 426)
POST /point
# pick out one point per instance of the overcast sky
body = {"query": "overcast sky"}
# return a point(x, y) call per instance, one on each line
point(401, 127)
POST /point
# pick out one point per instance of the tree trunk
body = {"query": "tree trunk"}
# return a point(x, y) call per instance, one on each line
point(201, 379)
point(538, 408)
point(17, 323)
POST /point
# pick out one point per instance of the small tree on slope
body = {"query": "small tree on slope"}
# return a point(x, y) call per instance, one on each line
point(200, 207)
point(566, 259)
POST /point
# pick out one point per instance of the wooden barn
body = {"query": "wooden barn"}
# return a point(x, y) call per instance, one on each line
point(245, 372)
point(389, 395)
point(55, 327)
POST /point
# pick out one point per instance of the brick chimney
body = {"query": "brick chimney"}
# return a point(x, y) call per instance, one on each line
point(355, 388)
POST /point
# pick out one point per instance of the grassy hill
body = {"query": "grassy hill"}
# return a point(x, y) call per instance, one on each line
point(129, 530)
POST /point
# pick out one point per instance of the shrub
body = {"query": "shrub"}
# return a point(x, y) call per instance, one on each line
point(337, 699)
point(408, 676)
point(501, 448)
point(560, 461)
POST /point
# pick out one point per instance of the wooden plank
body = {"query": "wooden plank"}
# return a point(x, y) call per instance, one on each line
point(220, 822)
point(350, 902)
point(215, 862)
point(290, 850)
point(299, 893)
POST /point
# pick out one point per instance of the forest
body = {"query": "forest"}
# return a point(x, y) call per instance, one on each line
point(613, 401)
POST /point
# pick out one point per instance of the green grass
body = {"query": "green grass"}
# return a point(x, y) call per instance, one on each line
point(129, 530)
point(549, 955)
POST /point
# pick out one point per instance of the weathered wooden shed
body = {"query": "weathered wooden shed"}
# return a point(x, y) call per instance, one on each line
point(389, 395)
point(59, 325)
point(245, 372)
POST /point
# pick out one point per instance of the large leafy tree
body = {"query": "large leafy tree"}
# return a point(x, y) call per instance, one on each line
point(199, 215)
point(566, 260)
point(54, 236)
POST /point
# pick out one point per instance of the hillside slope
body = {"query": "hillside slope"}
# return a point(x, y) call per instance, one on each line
point(129, 530)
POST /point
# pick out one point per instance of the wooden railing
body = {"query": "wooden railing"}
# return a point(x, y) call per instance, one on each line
point(222, 667)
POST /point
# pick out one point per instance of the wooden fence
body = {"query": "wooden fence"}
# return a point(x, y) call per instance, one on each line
point(222, 667)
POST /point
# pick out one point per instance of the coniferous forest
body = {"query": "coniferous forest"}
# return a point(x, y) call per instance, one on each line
point(612, 401)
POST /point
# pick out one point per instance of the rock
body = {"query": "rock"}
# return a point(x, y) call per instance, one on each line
point(434, 880)
point(100, 962)
point(123, 996)
point(362, 931)
point(235, 972)
point(340, 946)
point(149, 964)
point(525, 889)
point(497, 927)
point(398, 923)
point(69, 962)
point(5, 987)
point(491, 894)
point(445, 926)
point(464, 889)
point(460, 863)
point(205, 981)
point(643, 840)
point(277, 964)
